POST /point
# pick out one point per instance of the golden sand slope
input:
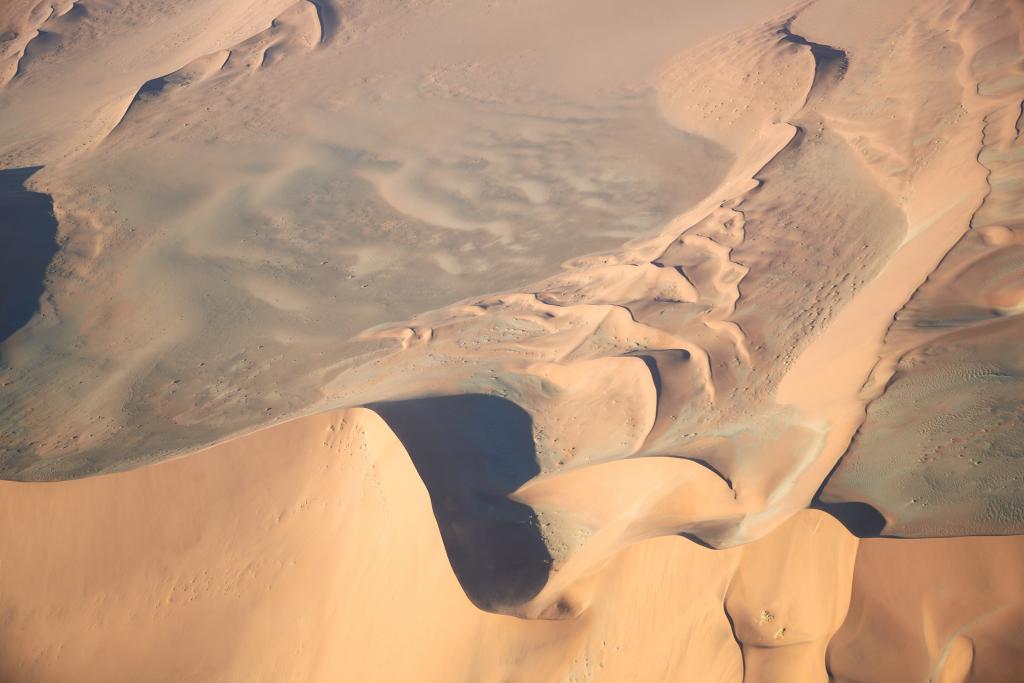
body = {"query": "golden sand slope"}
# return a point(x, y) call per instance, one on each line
point(668, 278)
point(308, 552)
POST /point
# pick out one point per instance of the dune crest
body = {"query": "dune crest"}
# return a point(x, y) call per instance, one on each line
point(307, 546)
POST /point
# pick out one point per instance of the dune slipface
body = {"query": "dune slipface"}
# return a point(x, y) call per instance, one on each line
point(458, 341)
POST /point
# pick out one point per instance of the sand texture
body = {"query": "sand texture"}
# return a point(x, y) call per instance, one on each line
point(473, 341)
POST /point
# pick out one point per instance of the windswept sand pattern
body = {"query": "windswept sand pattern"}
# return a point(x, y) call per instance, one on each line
point(28, 30)
point(953, 343)
point(299, 27)
point(463, 341)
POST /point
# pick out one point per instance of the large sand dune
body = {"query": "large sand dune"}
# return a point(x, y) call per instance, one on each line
point(307, 551)
point(465, 341)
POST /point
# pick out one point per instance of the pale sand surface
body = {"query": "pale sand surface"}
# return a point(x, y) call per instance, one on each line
point(535, 341)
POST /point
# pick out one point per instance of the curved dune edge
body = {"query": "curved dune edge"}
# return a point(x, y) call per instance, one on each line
point(308, 551)
point(722, 342)
point(954, 469)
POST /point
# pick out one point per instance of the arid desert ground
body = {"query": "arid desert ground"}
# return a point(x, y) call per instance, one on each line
point(512, 340)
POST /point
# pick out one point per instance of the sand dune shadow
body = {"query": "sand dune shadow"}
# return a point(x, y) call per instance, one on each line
point(471, 451)
point(28, 232)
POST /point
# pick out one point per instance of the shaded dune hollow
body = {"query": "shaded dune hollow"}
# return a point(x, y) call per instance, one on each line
point(565, 341)
point(326, 530)
point(28, 232)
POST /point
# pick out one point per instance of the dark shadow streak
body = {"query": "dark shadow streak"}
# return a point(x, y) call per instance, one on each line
point(860, 519)
point(825, 56)
point(28, 231)
point(472, 451)
point(652, 367)
point(736, 639)
point(830, 63)
point(693, 538)
point(329, 20)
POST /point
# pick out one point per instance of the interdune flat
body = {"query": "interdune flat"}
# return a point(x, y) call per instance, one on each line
point(512, 341)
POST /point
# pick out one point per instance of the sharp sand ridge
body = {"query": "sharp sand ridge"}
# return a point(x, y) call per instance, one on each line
point(526, 341)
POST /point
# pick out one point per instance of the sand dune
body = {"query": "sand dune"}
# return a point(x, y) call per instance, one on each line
point(308, 551)
point(526, 341)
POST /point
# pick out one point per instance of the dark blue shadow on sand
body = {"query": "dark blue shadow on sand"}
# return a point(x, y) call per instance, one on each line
point(472, 451)
point(28, 231)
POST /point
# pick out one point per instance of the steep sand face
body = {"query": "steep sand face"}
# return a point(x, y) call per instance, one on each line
point(667, 277)
point(307, 551)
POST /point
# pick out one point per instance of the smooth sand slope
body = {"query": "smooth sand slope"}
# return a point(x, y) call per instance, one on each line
point(307, 551)
point(666, 342)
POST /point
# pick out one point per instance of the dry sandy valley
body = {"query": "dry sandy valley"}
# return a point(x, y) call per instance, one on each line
point(512, 340)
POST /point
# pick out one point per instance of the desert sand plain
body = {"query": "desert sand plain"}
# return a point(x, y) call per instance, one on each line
point(494, 340)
